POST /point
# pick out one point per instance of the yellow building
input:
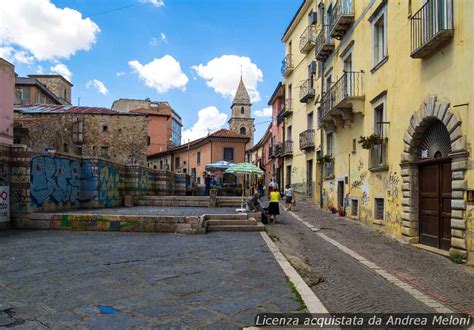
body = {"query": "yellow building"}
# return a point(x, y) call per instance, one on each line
point(301, 140)
point(394, 115)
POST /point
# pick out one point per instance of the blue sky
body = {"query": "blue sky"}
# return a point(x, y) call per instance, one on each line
point(187, 33)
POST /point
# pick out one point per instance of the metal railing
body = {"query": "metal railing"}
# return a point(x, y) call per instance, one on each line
point(278, 149)
point(378, 155)
point(349, 85)
point(287, 147)
point(287, 64)
point(307, 39)
point(433, 18)
point(322, 38)
point(329, 168)
point(341, 8)
point(307, 139)
point(307, 91)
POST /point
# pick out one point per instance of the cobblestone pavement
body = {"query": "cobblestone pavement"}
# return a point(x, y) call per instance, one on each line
point(122, 280)
point(345, 285)
point(157, 210)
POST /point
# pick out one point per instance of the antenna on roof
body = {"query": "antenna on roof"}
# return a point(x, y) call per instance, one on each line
point(79, 101)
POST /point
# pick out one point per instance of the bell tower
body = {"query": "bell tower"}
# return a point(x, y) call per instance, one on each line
point(240, 120)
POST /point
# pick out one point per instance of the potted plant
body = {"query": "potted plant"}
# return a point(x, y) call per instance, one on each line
point(367, 142)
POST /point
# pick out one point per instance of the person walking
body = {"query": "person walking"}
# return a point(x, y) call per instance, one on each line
point(207, 182)
point(288, 197)
point(260, 188)
point(274, 205)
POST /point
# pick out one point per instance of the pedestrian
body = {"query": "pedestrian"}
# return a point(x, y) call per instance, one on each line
point(207, 182)
point(288, 197)
point(274, 205)
point(260, 188)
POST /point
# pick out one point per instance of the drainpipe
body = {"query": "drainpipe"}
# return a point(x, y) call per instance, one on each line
point(321, 165)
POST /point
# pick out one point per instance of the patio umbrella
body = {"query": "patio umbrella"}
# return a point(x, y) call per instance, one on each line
point(244, 168)
point(219, 166)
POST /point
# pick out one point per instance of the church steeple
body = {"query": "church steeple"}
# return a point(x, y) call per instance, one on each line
point(240, 120)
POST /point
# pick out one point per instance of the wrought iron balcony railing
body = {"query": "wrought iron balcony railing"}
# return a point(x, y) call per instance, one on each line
point(324, 44)
point(341, 18)
point(307, 39)
point(347, 87)
point(378, 156)
point(307, 139)
point(287, 109)
point(431, 27)
point(287, 65)
point(307, 91)
point(287, 148)
point(278, 150)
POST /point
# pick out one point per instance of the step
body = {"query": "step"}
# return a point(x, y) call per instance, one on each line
point(258, 227)
point(239, 216)
point(231, 222)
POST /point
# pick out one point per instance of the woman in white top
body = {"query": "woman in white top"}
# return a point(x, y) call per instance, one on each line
point(288, 197)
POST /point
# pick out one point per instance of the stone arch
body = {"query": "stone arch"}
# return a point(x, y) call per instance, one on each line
point(434, 109)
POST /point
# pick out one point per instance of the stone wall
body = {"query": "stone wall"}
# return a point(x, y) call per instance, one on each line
point(5, 193)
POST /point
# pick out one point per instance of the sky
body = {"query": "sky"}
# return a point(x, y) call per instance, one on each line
point(190, 53)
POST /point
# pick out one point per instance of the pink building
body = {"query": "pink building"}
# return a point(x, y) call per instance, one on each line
point(277, 129)
point(7, 98)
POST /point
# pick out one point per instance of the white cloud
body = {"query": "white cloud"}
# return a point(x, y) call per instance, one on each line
point(99, 85)
point(155, 41)
point(23, 57)
point(63, 70)
point(265, 112)
point(16, 56)
point(121, 73)
point(163, 36)
point(39, 69)
point(7, 53)
point(43, 30)
point(156, 3)
point(223, 74)
point(209, 121)
point(161, 74)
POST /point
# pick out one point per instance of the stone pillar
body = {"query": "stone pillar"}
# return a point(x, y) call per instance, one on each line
point(410, 217)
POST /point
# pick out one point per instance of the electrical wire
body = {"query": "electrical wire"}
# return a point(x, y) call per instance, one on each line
point(117, 8)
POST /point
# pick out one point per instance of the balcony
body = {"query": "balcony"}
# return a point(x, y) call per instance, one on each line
point(341, 19)
point(307, 139)
point(324, 44)
point(287, 109)
point(271, 148)
point(307, 39)
point(307, 91)
point(342, 101)
point(431, 27)
point(287, 65)
point(287, 148)
point(378, 157)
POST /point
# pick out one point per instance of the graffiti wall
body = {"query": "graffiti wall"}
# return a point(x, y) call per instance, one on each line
point(58, 182)
point(144, 181)
point(109, 184)
point(4, 203)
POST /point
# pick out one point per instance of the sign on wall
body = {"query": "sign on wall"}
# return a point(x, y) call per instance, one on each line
point(4, 203)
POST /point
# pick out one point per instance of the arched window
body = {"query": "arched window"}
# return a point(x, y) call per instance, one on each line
point(242, 110)
point(243, 131)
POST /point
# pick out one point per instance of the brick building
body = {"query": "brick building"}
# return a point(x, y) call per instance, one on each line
point(83, 131)
point(173, 126)
point(192, 157)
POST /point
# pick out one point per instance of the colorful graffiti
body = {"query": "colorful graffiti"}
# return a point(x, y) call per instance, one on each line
point(58, 180)
point(109, 184)
point(18, 201)
point(144, 180)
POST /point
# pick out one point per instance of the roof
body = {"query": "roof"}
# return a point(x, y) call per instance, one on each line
point(160, 111)
point(34, 82)
point(66, 108)
point(220, 134)
point(50, 76)
point(241, 95)
point(293, 20)
point(276, 93)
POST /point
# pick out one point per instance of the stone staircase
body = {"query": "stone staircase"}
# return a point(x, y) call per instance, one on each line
point(232, 222)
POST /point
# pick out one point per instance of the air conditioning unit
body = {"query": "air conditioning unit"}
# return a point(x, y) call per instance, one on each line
point(313, 18)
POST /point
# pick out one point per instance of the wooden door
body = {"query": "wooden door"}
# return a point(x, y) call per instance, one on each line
point(435, 204)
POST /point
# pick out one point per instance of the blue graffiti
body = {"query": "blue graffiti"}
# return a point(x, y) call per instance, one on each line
point(58, 180)
point(109, 182)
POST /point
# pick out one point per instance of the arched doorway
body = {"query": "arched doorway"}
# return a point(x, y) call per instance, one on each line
point(243, 131)
point(433, 165)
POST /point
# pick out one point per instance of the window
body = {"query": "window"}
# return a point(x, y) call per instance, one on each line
point(65, 94)
point(379, 36)
point(176, 162)
point(228, 154)
point(329, 144)
point(242, 110)
point(243, 131)
point(288, 133)
point(154, 167)
point(354, 146)
point(198, 157)
point(148, 140)
point(19, 94)
point(161, 165)
point(379, 114)
point(379, 208)
point(288, 174)
point(65, 147)
point(355, 207)
point(104, 151)
point(79, 151)
point(309, 120)
point(105, 128)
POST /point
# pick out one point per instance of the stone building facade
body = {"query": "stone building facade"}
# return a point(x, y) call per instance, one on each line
point(60, 86)
point(32, 91)
point(83, 131)
point(241, 121)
